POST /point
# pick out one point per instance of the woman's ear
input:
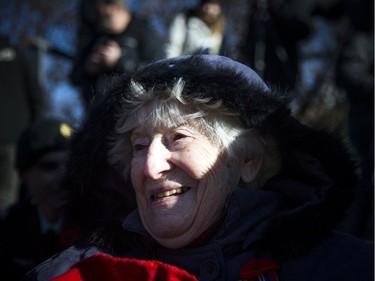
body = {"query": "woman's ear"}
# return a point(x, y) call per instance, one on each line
point(253, 154)
point(250, 168)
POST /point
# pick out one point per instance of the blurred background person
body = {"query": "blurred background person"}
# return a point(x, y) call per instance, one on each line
point(270, 45)
point(113, 41)
point(320, 103)
point(31, 231)
point(199, 29)
point(355, 74)
point(336, 91)
point(21, 101)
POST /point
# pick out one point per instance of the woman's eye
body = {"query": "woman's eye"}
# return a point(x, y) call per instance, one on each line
point(178, 136)
point(138, 147)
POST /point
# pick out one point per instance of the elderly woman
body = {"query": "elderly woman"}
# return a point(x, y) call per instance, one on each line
point(227, 184)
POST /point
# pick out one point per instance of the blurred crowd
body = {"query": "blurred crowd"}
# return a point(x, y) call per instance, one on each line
point(321, 51)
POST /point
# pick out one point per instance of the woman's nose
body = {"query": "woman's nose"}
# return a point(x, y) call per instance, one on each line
point(157, 159)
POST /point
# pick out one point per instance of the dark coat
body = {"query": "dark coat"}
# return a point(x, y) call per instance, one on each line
point(22, 243)
point(238, 240)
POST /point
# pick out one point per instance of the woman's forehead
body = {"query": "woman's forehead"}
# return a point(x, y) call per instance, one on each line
point(143, 128)
point(159, 116)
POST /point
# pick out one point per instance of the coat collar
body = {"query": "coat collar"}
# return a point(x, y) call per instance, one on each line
point(248, 212)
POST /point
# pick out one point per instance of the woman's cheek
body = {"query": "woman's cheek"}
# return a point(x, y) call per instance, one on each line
point(200, 164)
point(136, 171)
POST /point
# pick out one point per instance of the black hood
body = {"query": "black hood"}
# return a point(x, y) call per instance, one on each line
point(319, 161)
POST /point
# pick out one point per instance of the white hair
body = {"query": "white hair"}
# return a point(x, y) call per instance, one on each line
point(170, 108)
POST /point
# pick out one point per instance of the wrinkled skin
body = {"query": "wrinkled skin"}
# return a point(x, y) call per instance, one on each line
point(184, 161)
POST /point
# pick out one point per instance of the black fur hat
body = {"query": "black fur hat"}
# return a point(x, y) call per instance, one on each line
point(100, 198)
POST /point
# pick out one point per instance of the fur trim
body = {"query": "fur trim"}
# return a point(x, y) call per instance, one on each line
point(326, 173)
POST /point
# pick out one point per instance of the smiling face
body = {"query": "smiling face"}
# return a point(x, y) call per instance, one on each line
point(184, 156)
point(181, 180)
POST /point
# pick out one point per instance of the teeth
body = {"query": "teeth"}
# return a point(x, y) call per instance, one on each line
point(171, 192)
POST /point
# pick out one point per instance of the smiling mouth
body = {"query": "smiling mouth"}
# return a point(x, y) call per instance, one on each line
point(172, 192)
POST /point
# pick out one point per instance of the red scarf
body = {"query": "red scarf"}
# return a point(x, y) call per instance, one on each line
point(101, 267)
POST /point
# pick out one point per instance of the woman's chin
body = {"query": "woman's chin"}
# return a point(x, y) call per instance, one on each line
point(174, 241)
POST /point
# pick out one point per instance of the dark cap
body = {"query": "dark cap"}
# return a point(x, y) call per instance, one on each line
point(44, 135)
